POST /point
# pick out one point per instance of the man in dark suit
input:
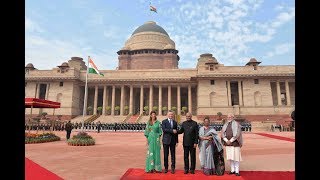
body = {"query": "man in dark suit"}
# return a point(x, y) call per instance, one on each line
point(68, 129)
point(169, 140)
point(190, 130)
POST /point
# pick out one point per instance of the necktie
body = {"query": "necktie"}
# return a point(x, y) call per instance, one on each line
point(171, 123)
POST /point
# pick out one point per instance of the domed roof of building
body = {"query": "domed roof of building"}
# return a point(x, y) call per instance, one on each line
point(168, 46)
point(150, 26)
point(29, 65)
point(253, 61)
point(64, 64)
point(125, 48)
point(149, 36)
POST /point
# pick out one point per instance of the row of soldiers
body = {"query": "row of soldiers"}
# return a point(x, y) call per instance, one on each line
point(45, 126)
point(245, 126)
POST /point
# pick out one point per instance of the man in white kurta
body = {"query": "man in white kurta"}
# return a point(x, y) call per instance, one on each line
point(232, 136)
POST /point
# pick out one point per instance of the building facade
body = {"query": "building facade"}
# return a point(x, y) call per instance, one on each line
point(148, 75)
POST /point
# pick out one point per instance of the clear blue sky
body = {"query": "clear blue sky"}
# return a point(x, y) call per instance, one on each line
point(232, 30)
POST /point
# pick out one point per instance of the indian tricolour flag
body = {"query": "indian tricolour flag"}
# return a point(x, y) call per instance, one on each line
point(154, 9)
point(93, 68)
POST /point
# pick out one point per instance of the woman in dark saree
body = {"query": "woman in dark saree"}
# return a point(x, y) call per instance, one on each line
point(210, 150)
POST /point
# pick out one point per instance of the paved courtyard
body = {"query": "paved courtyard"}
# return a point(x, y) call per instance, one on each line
point(115, 152)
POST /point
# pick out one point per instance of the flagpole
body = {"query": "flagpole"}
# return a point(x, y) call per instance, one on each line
point(85, 97)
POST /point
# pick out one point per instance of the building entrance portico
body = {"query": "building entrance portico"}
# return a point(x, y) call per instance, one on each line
point(153, 96)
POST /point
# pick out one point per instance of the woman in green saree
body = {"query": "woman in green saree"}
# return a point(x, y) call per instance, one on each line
point(153, 133)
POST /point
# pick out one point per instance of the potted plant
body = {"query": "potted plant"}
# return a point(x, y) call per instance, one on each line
point(164, 109)
point(174, 109)
point(99, 109)
point(108, 109)
point(117, 109)
point(146, 109)
point(89, 109)
point(126, 109)
point(184, 109)
point(155, 108)
point(219, 114)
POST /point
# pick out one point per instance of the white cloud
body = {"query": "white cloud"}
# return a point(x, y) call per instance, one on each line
point(49, 53)
point(32, 26)
point(97, 18)
point(280, 49)
point(224, 29)
point(283, 17)
point(111, 32)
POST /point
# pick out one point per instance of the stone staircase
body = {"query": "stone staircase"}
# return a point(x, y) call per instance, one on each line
point(92, 118)
point(133, 119)
point(111, 119)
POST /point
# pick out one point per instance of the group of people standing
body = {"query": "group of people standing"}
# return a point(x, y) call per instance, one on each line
point(205, 138)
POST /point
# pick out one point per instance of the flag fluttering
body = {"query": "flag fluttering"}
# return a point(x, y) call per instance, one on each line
point(93, 68)
point(152, 8)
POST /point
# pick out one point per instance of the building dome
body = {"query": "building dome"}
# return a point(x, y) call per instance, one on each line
point(29, 65)
point(150, 26)
point(149, 36)
point(168, 46)
point(64, 64)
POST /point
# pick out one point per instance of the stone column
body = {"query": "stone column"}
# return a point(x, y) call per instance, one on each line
point(169, 97)
point(107, 97)
point(189, 99)
point(240, 93)
point(36, 93)
point(47, 91)
point(141, 99)
point(104, 100)
point(288, 94)
point(160, 101)
point(131, 100)
point(122, 101)
point(95, 100)
point(113, 100)
point(150, 98)
point(178, 100)
point(278, 93)
point(229, 94)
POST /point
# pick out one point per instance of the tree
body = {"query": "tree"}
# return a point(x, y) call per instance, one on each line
point(164, 110)
point(173, 108)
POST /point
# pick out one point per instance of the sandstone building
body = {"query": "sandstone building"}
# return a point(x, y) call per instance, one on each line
point(148, 74)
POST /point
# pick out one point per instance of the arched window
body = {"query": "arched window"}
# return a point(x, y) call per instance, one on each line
point(257, 98)
point(212, 96)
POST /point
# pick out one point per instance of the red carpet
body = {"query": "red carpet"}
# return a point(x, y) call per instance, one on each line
point(34, 171)
point(276, 137)
point(137, 174)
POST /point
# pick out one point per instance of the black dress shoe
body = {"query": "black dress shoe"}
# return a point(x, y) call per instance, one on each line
point(186, 171)
point(172, 171)
point(192, 171)
point(166, 170)
point(231, 172)
point(237, 174)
